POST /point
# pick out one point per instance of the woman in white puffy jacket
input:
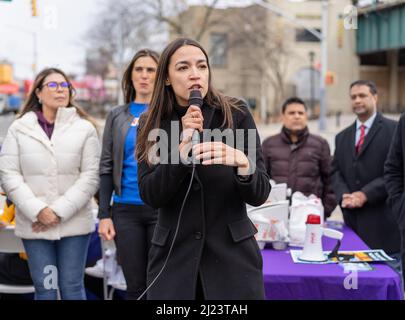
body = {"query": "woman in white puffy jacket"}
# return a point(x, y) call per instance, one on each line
point(49, 168)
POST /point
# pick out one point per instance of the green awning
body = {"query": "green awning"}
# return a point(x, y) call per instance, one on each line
point(381, 30)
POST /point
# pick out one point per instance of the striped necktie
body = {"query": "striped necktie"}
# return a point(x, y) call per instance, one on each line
point(361, 140)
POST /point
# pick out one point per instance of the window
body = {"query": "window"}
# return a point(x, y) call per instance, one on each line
point(218, 49)
point(303, 35)
point(307, 83)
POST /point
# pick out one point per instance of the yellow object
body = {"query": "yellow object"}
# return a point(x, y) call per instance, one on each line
point(8, 216)
point(6, 73)
point(34, 8)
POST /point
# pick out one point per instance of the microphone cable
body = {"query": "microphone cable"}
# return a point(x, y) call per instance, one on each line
point(174, 237)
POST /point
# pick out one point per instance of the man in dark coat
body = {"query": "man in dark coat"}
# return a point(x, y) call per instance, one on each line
point(298, 158)
point(394, 175)
point(358, 172)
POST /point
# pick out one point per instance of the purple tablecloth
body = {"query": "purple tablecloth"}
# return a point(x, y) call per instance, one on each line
point(286, 280)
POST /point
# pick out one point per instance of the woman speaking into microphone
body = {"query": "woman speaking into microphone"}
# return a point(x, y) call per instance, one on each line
point(203, 245)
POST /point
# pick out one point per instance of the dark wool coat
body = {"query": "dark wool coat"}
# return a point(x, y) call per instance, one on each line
point(351, 172)
point(216, 238)
point(304, 165)
point(394, 175)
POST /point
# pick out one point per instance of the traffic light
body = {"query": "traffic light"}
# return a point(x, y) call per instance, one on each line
point(330, 78)
point(34, 8)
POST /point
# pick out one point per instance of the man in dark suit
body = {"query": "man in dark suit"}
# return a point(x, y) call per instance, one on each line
point(358, 172)
point(394, 174)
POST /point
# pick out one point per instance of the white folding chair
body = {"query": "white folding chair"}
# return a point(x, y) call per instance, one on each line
point(103, 275)
point(108, 289)
point(10, 243)
point(114, 286)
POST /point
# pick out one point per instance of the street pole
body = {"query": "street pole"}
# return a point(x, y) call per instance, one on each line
point(120, 62)
point(263, 100)
point(324, 65)
point(34, 65)
point(312, 81)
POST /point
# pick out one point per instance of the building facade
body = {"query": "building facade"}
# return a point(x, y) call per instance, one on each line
point(265, 58)
point(381, 49)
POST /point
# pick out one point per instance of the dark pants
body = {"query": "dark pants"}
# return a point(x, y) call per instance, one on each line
point(134, 226)
point(14, 270)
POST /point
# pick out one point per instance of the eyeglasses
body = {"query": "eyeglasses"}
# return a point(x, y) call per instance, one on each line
point(53, 85)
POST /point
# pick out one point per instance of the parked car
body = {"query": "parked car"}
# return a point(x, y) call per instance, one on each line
point(14, 103)
point(9, 103)
point(3, 103)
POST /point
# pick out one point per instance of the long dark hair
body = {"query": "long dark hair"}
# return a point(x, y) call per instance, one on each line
point(128, 89)
point(32, 101)
point(163, 99)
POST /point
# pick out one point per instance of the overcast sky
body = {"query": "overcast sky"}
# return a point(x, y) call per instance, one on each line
point(60, 27)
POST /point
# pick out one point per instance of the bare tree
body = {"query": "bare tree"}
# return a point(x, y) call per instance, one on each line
point(124, 26)
point(265, 46)
point(119, 30)
point(174, 15)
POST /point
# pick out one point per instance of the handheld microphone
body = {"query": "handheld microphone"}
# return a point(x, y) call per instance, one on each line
point(195, 99)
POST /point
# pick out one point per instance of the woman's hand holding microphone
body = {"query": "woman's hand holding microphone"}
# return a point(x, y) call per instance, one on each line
point(192, 120)
point(209, 152)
